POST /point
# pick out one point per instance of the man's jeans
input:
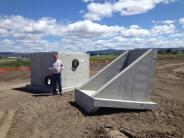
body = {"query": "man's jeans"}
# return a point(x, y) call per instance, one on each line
point(56, 80)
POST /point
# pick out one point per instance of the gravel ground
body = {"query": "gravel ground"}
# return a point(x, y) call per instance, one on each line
point(58, 116)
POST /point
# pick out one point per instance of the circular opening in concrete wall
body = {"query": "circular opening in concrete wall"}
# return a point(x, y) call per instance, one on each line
point(75, 64)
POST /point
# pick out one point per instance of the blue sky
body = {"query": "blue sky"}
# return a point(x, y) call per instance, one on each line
point(82, 25)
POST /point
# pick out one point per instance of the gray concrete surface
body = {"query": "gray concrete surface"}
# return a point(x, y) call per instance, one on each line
point(71, 78)
point(124, 83)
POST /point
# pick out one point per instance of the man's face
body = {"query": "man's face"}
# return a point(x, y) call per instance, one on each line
point(55, 57)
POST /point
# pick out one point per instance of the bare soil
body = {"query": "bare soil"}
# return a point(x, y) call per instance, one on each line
point(39, 116)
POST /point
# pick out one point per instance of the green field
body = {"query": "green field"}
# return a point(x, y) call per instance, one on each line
point(4, 60)
point(8, 63)
point(170, 55)
point(160, 56)
point(103, 57)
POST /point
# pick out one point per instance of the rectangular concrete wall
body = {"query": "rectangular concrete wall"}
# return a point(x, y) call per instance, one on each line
point(71, 79)
point(39, 68)
point(80, 75)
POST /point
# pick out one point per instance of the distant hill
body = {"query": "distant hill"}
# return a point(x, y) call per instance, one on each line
point(117, 52)
point(15, 54)
point(170, 50)
point(106, 52)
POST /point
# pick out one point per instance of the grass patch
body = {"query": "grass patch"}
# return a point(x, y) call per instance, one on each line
point(4, 60)
point(103, 57)
point(8, 63)
point(161, 56)
point(170, 56)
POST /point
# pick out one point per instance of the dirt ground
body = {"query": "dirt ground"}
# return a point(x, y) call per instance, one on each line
point(59, 117)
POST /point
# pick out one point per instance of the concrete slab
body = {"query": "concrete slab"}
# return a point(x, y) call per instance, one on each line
point(100, 102)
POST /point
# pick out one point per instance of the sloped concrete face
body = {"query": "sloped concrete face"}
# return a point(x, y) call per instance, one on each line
point(71, 77)
point(103, 76)
point(125, 83)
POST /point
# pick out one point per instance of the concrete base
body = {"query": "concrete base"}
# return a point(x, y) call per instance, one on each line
point(90, 104)
point(85, 101)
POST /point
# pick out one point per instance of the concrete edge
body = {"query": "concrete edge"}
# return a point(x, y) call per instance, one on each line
point(85, 102)
point(52, 52)
point(125, 104)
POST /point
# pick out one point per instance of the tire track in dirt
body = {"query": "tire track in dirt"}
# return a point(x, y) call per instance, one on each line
point(5, 122)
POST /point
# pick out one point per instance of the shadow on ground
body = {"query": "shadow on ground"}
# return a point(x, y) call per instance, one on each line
point(99, 112)
point(33, 92)
point(105, 111)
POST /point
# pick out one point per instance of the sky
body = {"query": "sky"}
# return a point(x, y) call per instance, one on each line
point(84, 25)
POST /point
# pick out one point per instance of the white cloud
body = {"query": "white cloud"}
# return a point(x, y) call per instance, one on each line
point(164, 22)
point(163, 29)
point(168, 21)
point(47, 34)
point(96, 11)
point(88, 28)
point(135, 30)
point(177, 35)
point(181, 21)
point(87, 0)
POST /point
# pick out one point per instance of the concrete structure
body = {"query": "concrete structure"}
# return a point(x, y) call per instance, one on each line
point(124, 83)
point(71, 77)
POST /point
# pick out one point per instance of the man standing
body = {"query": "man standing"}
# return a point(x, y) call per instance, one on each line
point(56, 68)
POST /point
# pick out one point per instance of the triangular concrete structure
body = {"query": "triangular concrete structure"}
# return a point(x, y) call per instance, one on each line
point(124, 83)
